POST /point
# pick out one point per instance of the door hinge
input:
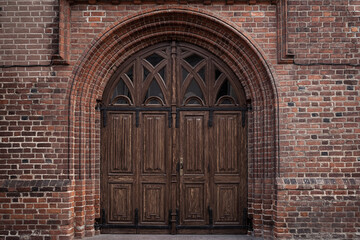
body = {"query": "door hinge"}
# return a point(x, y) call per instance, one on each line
point(137, 118)
point(211, 219)
point(177, 217)
point(104, 116)
point(136, 221)
point(99, 222)
point(247, 221)
point(211, 116)
point(169, 218)
point(243, 118)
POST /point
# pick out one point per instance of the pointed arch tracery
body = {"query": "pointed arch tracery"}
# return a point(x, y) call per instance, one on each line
point(147, 79)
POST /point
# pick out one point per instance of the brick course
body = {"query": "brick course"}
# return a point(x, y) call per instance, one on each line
point(304, 138)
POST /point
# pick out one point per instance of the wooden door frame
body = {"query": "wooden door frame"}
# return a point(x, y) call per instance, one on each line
point(174, 178)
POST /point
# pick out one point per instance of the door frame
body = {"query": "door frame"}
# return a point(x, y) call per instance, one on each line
point(224, 76)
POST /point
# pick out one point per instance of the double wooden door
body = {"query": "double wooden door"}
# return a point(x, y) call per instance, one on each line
point(174, 145)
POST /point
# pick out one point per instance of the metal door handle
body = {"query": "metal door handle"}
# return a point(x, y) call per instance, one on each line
point(181, 166)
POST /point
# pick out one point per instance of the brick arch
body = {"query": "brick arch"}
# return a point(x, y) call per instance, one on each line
point(122, 39)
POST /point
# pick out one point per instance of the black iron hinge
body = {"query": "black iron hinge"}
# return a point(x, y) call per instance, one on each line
point(136, 220)
point(211, 219)
point(247, 221)
point(99, 222)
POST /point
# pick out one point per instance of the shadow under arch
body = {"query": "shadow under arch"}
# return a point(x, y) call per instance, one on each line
point(169, 23)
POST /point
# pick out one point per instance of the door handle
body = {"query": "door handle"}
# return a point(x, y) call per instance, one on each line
point(181, 166)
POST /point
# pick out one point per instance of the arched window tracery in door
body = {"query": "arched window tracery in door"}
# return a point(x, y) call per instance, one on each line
point(200, 81)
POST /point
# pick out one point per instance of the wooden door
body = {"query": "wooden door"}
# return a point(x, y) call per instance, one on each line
point(194, 162)
point(228, 181)
point(212, 142)
point(136, 138)
point(174, 145)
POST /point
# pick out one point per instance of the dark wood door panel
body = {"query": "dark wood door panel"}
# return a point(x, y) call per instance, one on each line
point(193, 204)
point(226, 142)
point(154, 141)
point(226, 204)
point(121, 143)
point(121, 203)
point(194, 139)
point(154, 204)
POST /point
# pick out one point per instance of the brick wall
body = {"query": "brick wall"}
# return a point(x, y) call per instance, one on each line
point(37, 209)
point(324, 31)
point(28, 31)
point(318, 196)
point(36, 195)
point(49, 159)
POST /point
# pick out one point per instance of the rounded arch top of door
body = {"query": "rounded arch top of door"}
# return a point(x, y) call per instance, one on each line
point(174, 74)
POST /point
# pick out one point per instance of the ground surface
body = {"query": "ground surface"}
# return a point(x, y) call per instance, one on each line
point(171, 237)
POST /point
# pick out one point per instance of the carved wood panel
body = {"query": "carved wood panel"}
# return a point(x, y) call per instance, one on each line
point(153, 203)
point(121, 143)
point(194, 196)
point(193, 142)
point(121, 203)
point(153, 137)
point(227, 203)
point(226, 130)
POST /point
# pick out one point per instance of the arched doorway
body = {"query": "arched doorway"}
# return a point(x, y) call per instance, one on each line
point(105, 56)
point(174, 139)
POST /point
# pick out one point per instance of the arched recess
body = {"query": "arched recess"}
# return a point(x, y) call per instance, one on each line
point(184, 24)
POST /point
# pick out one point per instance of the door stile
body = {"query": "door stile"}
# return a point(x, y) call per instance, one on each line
point(211, 181)
point(137, 182)
point(174, 157)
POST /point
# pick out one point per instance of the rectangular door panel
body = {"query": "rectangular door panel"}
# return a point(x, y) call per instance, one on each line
point(193, 201)
point(121, 204)
point(154, 142)
point(226, 130)
point(121, 143)
point(153, 203)
point(227, 204)
point(193, 142)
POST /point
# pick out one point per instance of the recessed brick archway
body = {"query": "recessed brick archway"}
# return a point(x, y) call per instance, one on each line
point(120, 41)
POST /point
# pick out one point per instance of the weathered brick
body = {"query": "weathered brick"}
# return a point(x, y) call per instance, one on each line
point(305, 145)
